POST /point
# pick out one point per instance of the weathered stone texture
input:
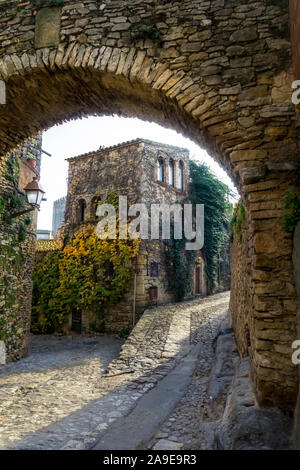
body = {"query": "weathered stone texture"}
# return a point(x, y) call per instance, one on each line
point(245, 426)
point(240, 300)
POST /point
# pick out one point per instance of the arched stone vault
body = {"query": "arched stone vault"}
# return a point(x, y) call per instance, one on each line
point(220, 72)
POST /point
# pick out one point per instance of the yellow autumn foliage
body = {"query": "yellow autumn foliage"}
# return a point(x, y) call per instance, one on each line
point(88, 273)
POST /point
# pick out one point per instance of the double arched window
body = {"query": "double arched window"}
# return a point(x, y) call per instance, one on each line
point(175, 173)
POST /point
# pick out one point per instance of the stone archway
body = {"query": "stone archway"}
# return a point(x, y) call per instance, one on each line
point(220, 73)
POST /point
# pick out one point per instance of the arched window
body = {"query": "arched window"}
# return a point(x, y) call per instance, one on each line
point(180, 176)
point(171, 172)
point(81, 211)
point(160, 170)
point(94, 205)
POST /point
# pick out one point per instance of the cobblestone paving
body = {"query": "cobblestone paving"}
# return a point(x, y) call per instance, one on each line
point(188, 427)
point(59, 377)
point(70, 389)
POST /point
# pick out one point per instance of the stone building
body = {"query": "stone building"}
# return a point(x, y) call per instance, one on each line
point(146, 172)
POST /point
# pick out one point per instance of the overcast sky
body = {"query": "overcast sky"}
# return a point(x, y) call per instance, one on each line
point(86, 135)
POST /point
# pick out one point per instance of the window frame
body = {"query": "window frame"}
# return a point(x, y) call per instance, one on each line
point(160, 170)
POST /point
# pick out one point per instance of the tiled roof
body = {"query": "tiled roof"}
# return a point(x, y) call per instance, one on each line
point(46, 245)
point(124, 144)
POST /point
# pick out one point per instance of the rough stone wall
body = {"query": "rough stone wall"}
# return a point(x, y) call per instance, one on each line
point(213, 64)
point(151, 252)
point(240, 299)
point(159, 192)
point(32, 148)
point(96, 174)
point(221, 73)
point(274, 303)
point(16, 261)
point(261, 307)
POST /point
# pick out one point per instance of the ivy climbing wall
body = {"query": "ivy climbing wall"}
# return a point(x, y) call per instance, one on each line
point(17, 241)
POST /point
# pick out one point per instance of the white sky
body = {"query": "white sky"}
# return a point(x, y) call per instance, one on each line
point(85, 135)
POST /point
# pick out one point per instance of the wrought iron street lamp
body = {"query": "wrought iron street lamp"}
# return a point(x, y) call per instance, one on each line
point(34, 194)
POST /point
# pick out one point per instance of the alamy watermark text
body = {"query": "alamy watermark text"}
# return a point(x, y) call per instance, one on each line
point(187, 222)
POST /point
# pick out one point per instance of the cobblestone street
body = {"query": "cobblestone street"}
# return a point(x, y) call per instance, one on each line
point(185, 428)
point(60, 376)
point(69, 390)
